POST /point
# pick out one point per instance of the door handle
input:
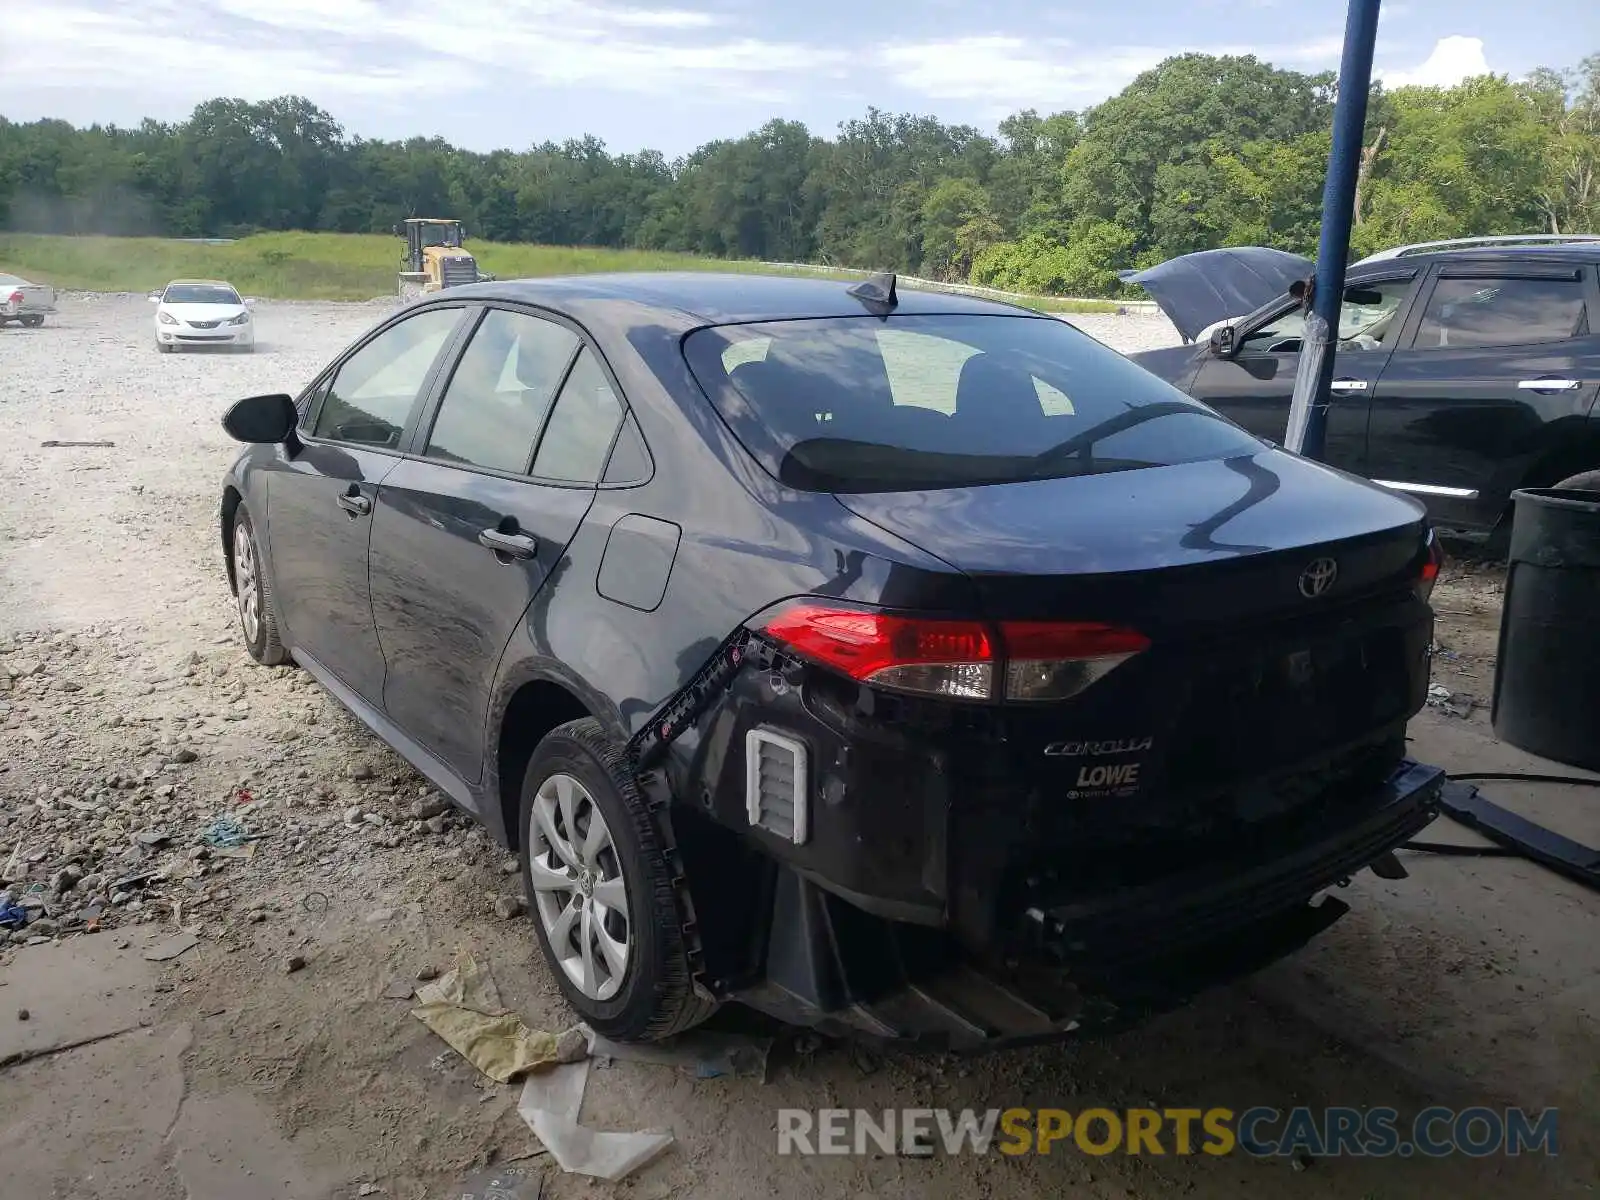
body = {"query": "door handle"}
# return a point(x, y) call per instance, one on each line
point(512, 545)
point(355, 504)
point(1348, 385)
point(1550, 385)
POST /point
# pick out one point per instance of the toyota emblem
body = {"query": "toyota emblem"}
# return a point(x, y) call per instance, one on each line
point(1318, 577)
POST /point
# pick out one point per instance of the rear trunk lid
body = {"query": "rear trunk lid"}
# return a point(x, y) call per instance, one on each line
point(1267, 690)
point(35, 297)
point(1165, 549)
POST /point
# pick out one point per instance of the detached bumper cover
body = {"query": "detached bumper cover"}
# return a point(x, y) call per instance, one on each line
point(1099, 961)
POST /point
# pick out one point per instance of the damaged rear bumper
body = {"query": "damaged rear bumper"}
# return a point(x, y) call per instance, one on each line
point(1087, 962)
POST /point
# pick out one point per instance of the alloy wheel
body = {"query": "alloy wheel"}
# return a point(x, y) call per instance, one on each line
point(244, 573)
point(579, 892)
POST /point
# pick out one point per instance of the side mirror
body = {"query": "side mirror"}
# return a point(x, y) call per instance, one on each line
point(1222, 342)
point(262, 420)
point(154, 297)
point(249, 301)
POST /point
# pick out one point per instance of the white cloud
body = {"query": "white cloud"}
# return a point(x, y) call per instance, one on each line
point(395, 50)
point(1006, 73)
point(1454, 58)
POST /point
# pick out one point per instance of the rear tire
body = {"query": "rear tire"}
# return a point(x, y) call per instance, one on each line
point(602, 888)
point(1584, 481)
point(32, 322)
point(258, 614)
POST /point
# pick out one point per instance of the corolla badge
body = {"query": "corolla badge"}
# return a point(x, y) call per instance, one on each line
point(1318, 577)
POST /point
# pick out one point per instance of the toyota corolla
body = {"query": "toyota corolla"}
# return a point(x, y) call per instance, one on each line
point(894, 662)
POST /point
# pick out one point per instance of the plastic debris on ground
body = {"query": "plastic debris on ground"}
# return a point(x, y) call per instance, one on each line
point(501, 1183)
point(702, 1053)
point(463, 1007)
point(227, 833)
point(1453, 704)
point(551, 1103)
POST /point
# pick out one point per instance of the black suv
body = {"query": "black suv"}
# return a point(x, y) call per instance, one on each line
point(894, 662)
point(1465, 370)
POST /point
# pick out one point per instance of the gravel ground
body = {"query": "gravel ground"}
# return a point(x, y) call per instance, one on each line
point(131, 721)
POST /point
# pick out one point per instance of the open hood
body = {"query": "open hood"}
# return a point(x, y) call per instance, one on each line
point(1200, 289)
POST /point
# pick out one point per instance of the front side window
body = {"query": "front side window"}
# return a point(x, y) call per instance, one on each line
point(1464, 313)
point(1366, 320)
point(862, 404)
point(498, 396)
point(373, 392)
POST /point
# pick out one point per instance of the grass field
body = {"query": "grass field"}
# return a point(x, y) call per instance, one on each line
point(335, 266)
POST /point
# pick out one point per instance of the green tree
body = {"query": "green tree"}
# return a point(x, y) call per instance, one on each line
point(1132, 166)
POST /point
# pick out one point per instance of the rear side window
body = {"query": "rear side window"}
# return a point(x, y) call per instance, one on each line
point(501, 389)
point(373, 391)
point(864, 404)
point(1466, 313)
point(581, 429)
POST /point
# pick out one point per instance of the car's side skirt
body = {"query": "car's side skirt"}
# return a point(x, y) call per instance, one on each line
point(434, 770)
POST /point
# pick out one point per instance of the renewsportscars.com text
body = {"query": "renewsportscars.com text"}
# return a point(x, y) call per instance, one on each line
point(1259, 1131)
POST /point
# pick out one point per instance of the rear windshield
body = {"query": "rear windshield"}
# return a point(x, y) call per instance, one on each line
point(862, 404)
point(200, 293)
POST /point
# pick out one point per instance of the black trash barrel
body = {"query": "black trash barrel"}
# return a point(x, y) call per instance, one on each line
point(1547, 681)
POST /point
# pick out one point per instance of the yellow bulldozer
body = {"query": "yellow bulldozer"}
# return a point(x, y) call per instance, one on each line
point(434, 257)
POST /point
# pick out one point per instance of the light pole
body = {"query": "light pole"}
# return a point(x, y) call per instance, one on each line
point(1308, 410)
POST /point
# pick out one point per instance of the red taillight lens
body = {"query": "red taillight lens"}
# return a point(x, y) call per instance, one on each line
point(14, 298)
point(1430, 567)
point(944, 658)
point(1020, 660)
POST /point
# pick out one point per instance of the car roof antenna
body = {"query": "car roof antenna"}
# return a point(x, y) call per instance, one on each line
point(877, 293)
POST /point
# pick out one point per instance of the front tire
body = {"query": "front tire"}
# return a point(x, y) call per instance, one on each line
point(165, 347)
point(600, 890)
point(258, 615)
point(1584, 481)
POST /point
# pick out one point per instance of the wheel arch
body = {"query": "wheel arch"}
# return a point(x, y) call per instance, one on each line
point(531, 710)
point(231, 499)
point(1581, 453)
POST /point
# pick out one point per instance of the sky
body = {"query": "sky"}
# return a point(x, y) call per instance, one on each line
point(673, 74)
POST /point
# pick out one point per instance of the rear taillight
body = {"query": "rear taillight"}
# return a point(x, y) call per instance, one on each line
point(939, 657)
point(968, 660)
point(14, 298)
point(1431, 563)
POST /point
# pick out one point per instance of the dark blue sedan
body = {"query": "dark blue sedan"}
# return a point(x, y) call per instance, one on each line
point(893, 661)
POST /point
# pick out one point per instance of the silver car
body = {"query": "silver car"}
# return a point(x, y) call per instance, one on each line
point(25, 303)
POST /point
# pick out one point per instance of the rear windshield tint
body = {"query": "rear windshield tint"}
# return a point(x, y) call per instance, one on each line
point(861, 404)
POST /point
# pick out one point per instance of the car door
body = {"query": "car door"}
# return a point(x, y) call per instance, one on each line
point(1255, 384)
point(319, 501)
point(1498, 365)
point(476, 521)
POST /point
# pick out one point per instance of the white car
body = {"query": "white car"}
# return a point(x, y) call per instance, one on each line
point(202, 312)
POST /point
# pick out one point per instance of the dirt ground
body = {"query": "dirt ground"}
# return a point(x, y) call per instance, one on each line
point(131, 720)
